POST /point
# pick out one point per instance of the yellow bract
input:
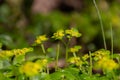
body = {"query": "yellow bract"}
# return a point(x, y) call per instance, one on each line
point(72, 33)
point(43, 62)
point(58, 35)
point(21, 51)
point(33, 68)
point(100, 54)
point(75, 60)
point(106, 64)
point(16, 52)
point(75, 49)
point(85, 57)
point(30, 68)
point(6, 53)
point(69, 33)
point(41, 39)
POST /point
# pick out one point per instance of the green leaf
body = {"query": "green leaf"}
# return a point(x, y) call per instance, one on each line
point(1, 64)
point(50, 50)
point(4, 64)
point(2, 77)
point(78, 47)
point(56, 76)
point(21, 77)
point(6, 40)
point(67, 74)
point(42, 76)
point(19, 59)
point(116, 55)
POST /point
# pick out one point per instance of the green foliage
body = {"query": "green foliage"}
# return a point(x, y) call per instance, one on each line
point(14, 65)
point(6, 40)
point(65, 74)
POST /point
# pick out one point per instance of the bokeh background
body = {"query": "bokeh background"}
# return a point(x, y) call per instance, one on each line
point(22, 20)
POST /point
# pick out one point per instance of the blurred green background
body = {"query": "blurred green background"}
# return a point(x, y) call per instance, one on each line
point(22, 20)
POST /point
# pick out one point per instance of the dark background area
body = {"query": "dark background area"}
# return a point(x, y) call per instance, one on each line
point(22, 20)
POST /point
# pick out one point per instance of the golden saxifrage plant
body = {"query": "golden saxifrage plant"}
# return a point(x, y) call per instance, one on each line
point(92, 66)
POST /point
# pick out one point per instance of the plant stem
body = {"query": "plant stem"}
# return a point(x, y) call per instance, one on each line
point(74, 54)
point(66, 57)
point(90, 71)
point(43, 48)
point(47, 69)
point(114, 76)
point(101, 23)
point(57, 57)
point(66, 50)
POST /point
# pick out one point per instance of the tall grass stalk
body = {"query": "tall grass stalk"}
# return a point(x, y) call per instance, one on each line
point(111, 40)
point(74, 54)
point(57, 56)
point(101, 23)
point(43, 49)
point(66, 53)
point(91, 63)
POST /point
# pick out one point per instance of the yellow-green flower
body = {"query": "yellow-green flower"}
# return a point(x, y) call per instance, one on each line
point(41, 39)
point(42, 62)
point(100, 54)
point(30, 69)
point(58, 35)
point(85, 57)
point(6, 53)
point(75, 49)
point(106, 64)
point(16, 52)
point(21, 51)
point(75, 60)
point(72, 33)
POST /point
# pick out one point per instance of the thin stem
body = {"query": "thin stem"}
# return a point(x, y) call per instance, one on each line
point(66, 56)
point(43, 48)
point(47, 69)
point(57, 56)
point(114, 76)
point(74, 54)
point(90, 71)
point(101, 23)
point(118, 60)
point(111, 40)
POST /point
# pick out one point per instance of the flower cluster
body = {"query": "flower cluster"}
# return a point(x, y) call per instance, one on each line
point(30, 68)
point(100, 54)
point(85, 57)
point(6, 53)
point(58, 35)
point(69, 33)
point(103, 60)
point(75, 60)
point(75, 49)
point(106, 64)
point(72, 33)
point(16, 52)
point(21, 51)
point(33, 68)
point(42, 62)
point(41, 39)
